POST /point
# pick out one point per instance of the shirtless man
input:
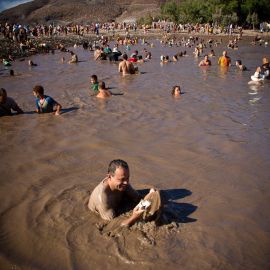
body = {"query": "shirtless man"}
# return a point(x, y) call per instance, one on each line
point(126, 67)
point(103, 92)
point(107, 197)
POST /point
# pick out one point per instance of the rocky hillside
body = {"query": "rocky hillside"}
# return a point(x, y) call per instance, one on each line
point(80, 11)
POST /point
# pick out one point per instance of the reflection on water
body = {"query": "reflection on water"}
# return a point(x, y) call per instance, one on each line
point(212, 142)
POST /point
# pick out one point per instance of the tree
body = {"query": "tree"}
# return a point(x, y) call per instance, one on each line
point(171, 11)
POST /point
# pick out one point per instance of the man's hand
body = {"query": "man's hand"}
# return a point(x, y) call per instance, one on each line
point(136, 213)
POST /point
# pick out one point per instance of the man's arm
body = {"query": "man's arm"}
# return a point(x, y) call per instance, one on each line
point(15, 107)
point(58, 108)
point(50, 100)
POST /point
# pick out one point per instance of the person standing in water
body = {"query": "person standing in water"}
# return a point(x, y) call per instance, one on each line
point(224, 60)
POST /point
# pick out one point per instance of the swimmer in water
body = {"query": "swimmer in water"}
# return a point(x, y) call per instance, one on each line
point(262, 72)
point(45, 104)
point(74, 58)
point(103, 91)
point(126, 67)
point(175, 58)
point(176, 91)
point(7, 104)
point(240, 66)
point(205, 62)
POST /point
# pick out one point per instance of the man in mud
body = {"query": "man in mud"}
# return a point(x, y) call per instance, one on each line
point(126, 67)
point(113, 192)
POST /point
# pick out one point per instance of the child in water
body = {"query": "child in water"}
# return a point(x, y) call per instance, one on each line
point(45, 104)
point(94, 83)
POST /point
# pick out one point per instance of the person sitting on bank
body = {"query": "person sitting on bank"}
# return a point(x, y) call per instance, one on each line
point(205, 62)
point(126, 67)
point(103, 91)
point(7, 104)
point(110, 194)
point(45, 104)
point(224, 60)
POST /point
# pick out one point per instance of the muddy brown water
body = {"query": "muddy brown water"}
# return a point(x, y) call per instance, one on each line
point(208, 150)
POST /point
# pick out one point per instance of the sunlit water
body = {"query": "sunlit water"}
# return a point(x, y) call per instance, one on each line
point(211, 145)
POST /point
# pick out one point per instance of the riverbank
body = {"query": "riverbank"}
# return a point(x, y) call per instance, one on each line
point(9, 47)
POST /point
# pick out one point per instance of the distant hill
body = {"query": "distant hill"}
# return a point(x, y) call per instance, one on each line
point(80, 11)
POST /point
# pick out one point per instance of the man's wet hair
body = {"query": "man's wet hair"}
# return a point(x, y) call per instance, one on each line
point(38, 89)
point(125, 56)
point(3, 92)
point(239, 62)
point(101, 85)
point(116, 163)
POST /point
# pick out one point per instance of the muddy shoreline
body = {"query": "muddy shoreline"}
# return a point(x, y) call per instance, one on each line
point(9, 47)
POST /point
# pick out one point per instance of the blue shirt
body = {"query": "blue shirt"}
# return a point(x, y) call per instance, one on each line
point(47, 105)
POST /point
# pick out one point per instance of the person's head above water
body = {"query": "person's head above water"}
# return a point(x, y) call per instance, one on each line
point(176, 91)
point(118, 175)
point(94, 78)
point(238, 63)
point(265, 60)
point(101, 85)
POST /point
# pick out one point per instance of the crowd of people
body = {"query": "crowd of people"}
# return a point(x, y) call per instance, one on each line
point(129, 64)
point(19, 32)
point(107, 196)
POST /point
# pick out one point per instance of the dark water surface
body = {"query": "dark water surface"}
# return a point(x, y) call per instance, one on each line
point(209, 149)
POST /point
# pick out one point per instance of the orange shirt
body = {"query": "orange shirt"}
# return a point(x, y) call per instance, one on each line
point(224, 61)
